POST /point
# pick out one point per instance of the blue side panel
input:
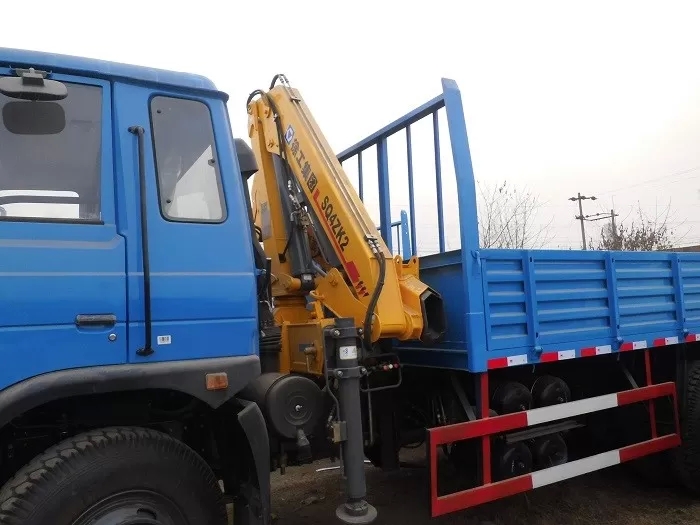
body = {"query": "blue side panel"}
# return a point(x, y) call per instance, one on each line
point(544, 297)
point(541, 301)
point(52, 272)
point(46, 282)
point(203, 287)
point(690, 284)
point(443, 272)
point(646, 295)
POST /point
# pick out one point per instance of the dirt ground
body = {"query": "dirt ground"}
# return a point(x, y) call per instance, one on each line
point(306, 497)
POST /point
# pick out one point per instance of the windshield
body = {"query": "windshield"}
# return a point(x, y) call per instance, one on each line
point(50, 155)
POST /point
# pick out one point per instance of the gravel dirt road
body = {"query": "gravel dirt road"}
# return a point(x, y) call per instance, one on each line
point(305, 497)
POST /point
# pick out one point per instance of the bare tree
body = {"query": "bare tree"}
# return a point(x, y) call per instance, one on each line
point(644, 233)
point(507, 218)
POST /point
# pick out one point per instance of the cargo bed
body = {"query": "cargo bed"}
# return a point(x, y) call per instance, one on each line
point(516, 307)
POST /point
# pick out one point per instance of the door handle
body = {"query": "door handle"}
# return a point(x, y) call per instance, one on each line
point(95, 320)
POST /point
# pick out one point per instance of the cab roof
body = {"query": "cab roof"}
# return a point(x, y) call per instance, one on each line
point(101, 68)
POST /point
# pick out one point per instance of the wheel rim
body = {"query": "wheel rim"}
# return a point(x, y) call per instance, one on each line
point(134, 507)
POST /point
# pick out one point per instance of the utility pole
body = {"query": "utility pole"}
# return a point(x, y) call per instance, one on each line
point(614, 228)
point(580, 215)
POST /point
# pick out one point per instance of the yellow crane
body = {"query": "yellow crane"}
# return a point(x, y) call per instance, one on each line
point(321, 241)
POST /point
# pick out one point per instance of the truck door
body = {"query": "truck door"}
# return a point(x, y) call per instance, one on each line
point(203, 296)
point(62, 261)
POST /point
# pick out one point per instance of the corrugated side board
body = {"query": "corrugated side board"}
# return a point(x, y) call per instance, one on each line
point(544, 298)
point(690, 274)
point(568, 300)
point(542, 301)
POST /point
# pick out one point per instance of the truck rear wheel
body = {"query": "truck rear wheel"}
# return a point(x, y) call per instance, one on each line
point(687, 456)
point(114, 475)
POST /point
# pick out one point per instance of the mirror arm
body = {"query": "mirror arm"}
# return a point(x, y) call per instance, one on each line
point(31, 76)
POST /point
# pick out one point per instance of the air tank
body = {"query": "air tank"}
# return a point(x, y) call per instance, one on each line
point(511, 396)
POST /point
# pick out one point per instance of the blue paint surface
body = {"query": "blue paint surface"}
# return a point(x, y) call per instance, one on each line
point(203, 279)
point(101, 69)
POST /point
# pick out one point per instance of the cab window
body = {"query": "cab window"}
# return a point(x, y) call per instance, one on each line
point(189, 183)
point(50, 157)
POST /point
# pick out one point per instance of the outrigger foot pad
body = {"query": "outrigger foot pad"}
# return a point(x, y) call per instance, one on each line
point(356, 513)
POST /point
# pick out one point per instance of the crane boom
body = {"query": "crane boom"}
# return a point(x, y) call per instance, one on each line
point(318, 234)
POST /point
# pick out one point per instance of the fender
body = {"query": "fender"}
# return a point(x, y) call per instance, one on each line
point(183, 376)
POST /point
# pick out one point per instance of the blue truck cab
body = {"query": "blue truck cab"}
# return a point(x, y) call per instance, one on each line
point(71, 219)
point(130, 288)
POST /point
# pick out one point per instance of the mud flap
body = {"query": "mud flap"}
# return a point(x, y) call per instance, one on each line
point(254, 506)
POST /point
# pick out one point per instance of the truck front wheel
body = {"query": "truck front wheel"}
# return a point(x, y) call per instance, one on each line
point(114, 475)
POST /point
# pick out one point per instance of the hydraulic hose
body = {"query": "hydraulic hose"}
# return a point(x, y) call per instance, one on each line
point(375, 296)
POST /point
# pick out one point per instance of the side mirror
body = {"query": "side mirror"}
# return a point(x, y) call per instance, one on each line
point(246, 158)
point(31, 84)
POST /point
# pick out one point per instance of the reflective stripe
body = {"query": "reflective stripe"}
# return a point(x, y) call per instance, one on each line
point(573, 408)
point(575, 468)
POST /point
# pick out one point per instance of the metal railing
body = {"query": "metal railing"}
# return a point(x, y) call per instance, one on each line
point(379, 139)
point(402, 236)
point(449, 104)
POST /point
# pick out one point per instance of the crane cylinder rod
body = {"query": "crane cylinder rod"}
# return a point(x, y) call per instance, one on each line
point(343, 342)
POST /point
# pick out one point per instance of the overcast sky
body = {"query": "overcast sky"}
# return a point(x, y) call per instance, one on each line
point(561, 97)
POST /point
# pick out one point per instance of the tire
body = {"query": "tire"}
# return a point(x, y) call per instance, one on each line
point(114, 475)
point(687, 457)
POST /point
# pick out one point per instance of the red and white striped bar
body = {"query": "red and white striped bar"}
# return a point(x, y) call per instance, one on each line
point(494, 425)
point(590, 351)
point(503, 362)
point(561, 355)
point(633, 345)
point(666, 341)
point(596, 350)
point(472, 497)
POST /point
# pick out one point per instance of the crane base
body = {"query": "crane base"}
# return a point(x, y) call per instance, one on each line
point(356, 513)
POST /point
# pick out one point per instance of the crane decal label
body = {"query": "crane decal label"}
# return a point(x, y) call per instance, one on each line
point(326, 209)
point(335, 224)
point(350, 266)
point(289, 135)
point(306, 173)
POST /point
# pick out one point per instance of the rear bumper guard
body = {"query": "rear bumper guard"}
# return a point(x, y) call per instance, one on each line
point(483, 428)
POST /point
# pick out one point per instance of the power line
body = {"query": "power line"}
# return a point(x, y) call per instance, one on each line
point(611, 216)
point(647, 181)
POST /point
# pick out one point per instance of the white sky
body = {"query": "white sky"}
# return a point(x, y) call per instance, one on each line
point(596, 97)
